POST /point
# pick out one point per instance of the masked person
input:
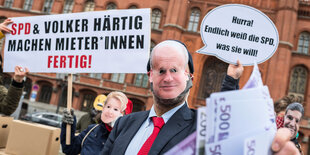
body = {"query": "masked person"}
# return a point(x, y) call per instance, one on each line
point(292, 118)
point(91, 140)
point(169, 121)
point(9, 98)
point(93, 116)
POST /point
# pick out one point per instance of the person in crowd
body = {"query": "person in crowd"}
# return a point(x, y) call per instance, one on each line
point(93, 116)
point(292, 118)
point(280, 109)
point(9, 98)
point(92, 140)
point(169, 121)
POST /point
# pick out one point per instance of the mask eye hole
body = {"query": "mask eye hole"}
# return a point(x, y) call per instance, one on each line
point(173, 70)
point(162, 71)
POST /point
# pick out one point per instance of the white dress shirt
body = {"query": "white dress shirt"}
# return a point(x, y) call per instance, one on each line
point(146, 130)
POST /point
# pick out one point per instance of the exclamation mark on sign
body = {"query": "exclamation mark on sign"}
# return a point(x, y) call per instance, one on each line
point(255, 53)
point(89, 61)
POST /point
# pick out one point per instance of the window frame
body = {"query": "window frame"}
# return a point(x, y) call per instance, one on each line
point(47, 7)
point(194, 19)
point(68, 6)
point(156, 18)
point(118, 77)
point(303, 43)
point(28, 5)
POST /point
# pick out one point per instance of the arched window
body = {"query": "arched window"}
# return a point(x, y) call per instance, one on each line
point(63, 97)
point(8, 3)
point(156, 15)
point(303, 43)
point(28, 4)
point(68, 6)
point(87, 102)
point(45, 94)
point(141, 80)
point(137, 105)
point(118, 77)
point(298, 82)
point(193, 20)
point(213, 73)
point(111, 6)
point(47, 6)
point(89, 6)
point(133, 7)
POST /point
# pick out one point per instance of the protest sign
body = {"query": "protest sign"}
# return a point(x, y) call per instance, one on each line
point(238, 32)
point(114, 41)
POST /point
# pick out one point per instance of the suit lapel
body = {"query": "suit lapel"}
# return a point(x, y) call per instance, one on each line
point(133, 127)
point(178, 121)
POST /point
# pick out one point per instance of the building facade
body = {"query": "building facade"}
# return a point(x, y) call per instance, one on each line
point(285, 73)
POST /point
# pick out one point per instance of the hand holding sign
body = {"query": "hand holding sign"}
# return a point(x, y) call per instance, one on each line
point(238, 32)
point(235, 71)
point(114, 41)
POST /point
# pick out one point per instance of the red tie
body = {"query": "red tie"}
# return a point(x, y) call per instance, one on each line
point(158, 123)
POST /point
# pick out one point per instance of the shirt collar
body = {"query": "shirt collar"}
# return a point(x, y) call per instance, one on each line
point(166, 116)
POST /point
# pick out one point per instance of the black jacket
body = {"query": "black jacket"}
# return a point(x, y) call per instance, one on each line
point(181, 124)
point(93, 143)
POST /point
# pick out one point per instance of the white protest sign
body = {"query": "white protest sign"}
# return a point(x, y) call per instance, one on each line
point(234, 31)
point(114, 41)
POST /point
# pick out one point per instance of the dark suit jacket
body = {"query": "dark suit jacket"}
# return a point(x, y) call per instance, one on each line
point(181, 124)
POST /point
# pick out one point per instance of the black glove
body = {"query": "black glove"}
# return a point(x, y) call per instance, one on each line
point(68, 117)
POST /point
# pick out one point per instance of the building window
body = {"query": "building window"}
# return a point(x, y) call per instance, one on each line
point(303, 43)
point(89, 6)
point(87, 102)
point(111, 6)
point(118, 77)
point(141, 80)
point(137, 105)
point(63, 97)
point(47, 6)
point(8, 3)
point(298, 81)
point(95, 75)
point(213, 74)
point(133, 7)
point(28, 4)
point(156, 15)
point(68, 6)
point(64, 76)
point(193, 20)
point(45, 94)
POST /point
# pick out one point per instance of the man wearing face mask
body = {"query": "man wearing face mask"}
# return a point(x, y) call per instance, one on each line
point(91, 140)
point(292, 118)
point(169, 121)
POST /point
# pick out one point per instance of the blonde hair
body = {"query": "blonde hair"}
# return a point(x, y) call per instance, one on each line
point(119, 96)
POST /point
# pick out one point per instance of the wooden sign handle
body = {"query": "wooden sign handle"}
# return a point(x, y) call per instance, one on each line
point(69, 105)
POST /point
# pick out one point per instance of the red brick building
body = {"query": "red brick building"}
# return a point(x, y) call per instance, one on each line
point(286, 73)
